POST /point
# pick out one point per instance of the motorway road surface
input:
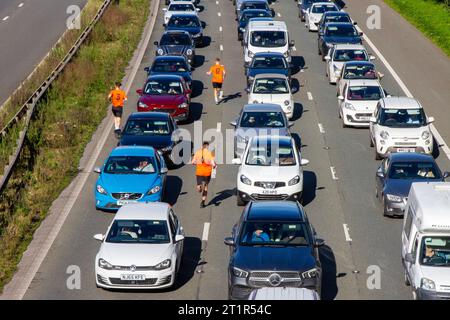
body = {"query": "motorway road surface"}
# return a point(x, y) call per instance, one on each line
point(28, 30)
point(330, 203)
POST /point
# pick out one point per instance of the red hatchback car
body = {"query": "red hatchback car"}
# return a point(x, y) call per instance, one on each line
point(166, 93)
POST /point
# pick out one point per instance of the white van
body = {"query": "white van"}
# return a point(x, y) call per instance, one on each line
point(426, 240)
point(266, 36)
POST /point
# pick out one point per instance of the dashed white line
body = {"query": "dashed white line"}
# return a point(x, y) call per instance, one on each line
point(5, 18)
point(219, 126)
point(310, 96)
point(278, 14)
point(221, 47)
point(219, 14)
point(217, 2)
point(347, 233)
point(220, 29)
point(321, 128)
point(333, 173)
point(20, 5)
point(205, 231)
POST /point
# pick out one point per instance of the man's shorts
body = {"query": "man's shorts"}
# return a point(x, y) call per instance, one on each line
point(203, 179)
point(117, 111)
point(217, 85)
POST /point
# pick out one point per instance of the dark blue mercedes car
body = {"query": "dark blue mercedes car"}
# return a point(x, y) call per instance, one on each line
point(267, 62)
point(246, 15)
point(333, 16)
point(171, 65)
point(337, 32)
point(187, 22)
point(272, 245)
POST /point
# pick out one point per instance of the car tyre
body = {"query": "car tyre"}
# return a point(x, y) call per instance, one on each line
point(385, 214)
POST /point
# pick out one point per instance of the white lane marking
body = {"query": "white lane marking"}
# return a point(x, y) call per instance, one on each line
point(219, 126)
point(221, 47)
point(217, 2)
point(333, 173)
point(220, 29)
point(205, 231)
point(405, 89)
point(219, 14)
point(321, 128)
point(310, 96)
point(5, 18)
point(20, 5)
point(347, 233)
point(279, 14)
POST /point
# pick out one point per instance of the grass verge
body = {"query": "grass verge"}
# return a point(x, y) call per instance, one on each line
point(431, 17)
point(64, 123)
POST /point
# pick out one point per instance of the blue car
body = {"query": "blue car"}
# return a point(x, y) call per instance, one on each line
point(171, 65)
point(130, 174)
point(333, 16)
point(267, 62)
point(187, 22)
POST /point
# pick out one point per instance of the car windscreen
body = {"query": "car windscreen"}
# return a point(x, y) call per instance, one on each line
point(188, 22)
point(163, 65)
point(130, 165)
point(435, 251)
point(254, 5)
point(337, 18)
point(268, 233)
point(163, 87)
point(143, 127)
point(253, 14)
point(323, 8)
point(341, 31)
point(271, 86)
point(268, 39)
point(138, 231)
point(181, 7)
point(402, 118)
point(364, 93)
point(414, 170)
point(360, 72)
point(341, 55)
point(175, 39)
point(270, 153)
point(262, 120)
point(268, 63)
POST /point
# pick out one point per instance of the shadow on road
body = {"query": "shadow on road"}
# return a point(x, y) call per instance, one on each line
point(298, 63)
point(329, 275)
point(199, 60)
point(309, 187)
point(173, 189)
point(206, 41)
point(231, 97)
point(195, 112)
point(298, 111)
point(197, 88)
point(222, 195)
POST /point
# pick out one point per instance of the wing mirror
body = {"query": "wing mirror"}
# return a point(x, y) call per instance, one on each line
point(290, 124)
point(98, 170)
point(355, 23)
point(147, 69)
point(341, 98)
point(319, 243)
point(380, 174)
point(233, 123)
point(140, 92)
point(197, 9)
point(236, 161)
point(373, 119)
point(99, 237)
point(229, 241)
point(164, 170)
point(430, 119)
point(291, 43)
point(156, 43)
point(327, 58)
point(179, 237)
point(304, 162)
point(372, 57)
point(361, 34)
point(164, 9)
point(409, 258)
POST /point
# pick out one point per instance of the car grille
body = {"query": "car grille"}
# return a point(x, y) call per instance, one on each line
point(262, 197)
point(269, 185)
point(135, 268)
point(287, 278)
point(127, 196)
point(146, 282)
point(362, 115)
point(408, 143)
point(266, 274)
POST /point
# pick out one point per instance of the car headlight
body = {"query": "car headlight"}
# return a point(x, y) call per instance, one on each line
point(154, 190)
point(427, 284)
point(349, 106)
point(384, 135)
point(160, 52)
point(189, 52)
point(184, 105)
point(163, 265)
point(142, 105)
point(309, 274)
point(246, 180)
point(294, 181)
point(102, 263)
point(286, 102)
point(425, 135)
point(101, 190)
point(240, 273)
point(394, 198)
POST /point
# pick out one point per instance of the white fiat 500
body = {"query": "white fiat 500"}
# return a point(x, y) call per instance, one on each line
point(315, 12)
point(270, 169)
point(142, 248)
point(358, 102)
point(179, 7)
point(399, 124)
point(273, 88)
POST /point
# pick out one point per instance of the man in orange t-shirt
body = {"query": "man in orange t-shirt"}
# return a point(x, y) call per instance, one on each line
point(117, 97)
point(204, 161)
point(218, 76)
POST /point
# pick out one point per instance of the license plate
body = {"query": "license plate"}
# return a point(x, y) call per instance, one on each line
point(269, 192)
point(123, 202)
point(406, 150)
point(364, 118)
point(133, 277)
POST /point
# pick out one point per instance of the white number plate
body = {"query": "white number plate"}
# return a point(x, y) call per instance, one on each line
point(364, 118)
point(123, 202)
point(406, 150)
point(269, 192)
point(132, 276)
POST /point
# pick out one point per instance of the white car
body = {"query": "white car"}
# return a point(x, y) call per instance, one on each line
point(315, 12)
point(177, 7)
point(356, 70)
point(271, 168)
point(358, 102)
point(142, 248)
point(339, 54)
point(399, 124)
point(273, 88)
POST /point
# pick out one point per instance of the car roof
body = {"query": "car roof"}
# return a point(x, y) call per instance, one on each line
point(339, 24)
point(169, 58)
point(133, 151)
point(400, 103)
point(267, 107)
point(270, 75)
point(253, 10)
point(268, 25)
point(165, 76)
point(149, 115)
point(343, 46)
point(410, 156)
point(275, 210)
point(143, 211)
point(363, 82)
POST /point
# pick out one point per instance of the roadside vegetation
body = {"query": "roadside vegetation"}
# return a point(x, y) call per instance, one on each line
point(63, 125)
point(431, 17)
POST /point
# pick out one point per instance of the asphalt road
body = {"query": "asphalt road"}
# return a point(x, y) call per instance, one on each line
point(26, 36)
point(329, 203)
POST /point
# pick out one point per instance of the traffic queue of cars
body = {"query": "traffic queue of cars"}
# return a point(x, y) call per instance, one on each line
point(273, 245)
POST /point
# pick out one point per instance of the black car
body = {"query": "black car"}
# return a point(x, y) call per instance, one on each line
point(155, 129)
point(171, 65)
point(273, 244)
point(333, 16)
point(246, 15)
point(337, 32)
point(396, 174)
point(254, 4)
point(267, 62)
point(304, 5)
point(187, 22)
point(176, 43)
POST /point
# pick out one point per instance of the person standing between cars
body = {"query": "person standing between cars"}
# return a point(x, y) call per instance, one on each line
point(218, 76)
point(204, 161)
point(117, 97)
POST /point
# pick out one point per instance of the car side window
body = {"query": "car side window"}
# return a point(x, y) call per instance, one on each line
point(408, 223)
point(414, 249)
point(377, 110)
point(158, 161)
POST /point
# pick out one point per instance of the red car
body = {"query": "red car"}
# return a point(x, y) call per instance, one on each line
point(166, 93)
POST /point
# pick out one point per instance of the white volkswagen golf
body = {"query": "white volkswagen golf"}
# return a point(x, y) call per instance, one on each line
point(142, 248)
point(271, 168)
point(315, 13)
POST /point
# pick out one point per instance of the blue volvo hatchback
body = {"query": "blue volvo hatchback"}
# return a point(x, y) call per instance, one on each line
point(130, 174)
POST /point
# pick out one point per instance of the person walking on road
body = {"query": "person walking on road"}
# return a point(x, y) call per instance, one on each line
point(204, 161)
point(218, 76)
point(117, 97)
